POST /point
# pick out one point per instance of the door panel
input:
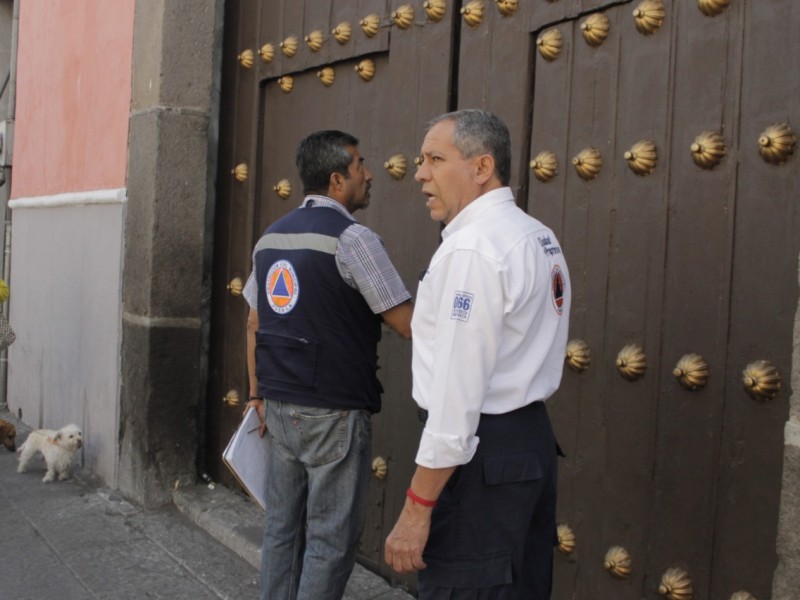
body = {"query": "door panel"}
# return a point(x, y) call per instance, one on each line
point(232, 238)
point(674, 261)
point(765, 245)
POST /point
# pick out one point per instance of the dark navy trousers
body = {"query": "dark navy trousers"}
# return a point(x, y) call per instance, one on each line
point(494, 525)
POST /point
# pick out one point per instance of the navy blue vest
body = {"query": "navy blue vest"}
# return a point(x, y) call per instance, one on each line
point(317, 340)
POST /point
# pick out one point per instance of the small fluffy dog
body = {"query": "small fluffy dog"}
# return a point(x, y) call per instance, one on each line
point(8, 435)
point(57, 448)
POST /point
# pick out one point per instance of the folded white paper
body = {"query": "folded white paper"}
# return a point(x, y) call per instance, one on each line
point(247, 455)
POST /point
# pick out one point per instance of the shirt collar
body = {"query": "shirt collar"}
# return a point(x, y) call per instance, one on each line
point(316, 201)
point(473, 211)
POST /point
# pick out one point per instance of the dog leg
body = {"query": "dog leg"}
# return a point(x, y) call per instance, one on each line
point(25, 454)
point(49, 476)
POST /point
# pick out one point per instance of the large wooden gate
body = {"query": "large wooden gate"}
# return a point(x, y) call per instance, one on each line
point(642, 134)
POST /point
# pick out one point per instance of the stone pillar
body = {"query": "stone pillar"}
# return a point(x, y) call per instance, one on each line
point(168, 244)
point(786, 582)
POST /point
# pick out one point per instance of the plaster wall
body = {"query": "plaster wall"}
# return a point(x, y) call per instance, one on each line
point(68, 209)
point(73, 96)
point(65, 309)
point(6, 10)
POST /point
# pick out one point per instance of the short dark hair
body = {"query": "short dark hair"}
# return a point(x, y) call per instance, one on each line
point(481, 132)
point(319, 155)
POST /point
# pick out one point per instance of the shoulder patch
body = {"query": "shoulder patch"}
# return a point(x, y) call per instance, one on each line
point(462, 305)
point(557, 285)
point(282, 286)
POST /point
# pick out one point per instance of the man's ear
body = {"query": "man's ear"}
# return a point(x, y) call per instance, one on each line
point(484, 168)
point(334, 184)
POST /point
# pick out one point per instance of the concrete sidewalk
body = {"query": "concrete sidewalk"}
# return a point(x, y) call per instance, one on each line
point(76, 540)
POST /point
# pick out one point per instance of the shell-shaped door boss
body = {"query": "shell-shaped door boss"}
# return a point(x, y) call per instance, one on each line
point(761, 380)
point(742, 595)
point(642, 157)
point(566, 539)
point(595, 29)
point(632, 362)
point(246, 58)
point(587, 163)
point(711, 8)
point(676, 585)
point(240, 172)
point(286, 83)
point(314, 40)
point(380, 468)
point(545, 166)
point(403, 17)
point(231, 399)
point(283, 188)
point(366, 69)
point(326, 76)
point(708, 149)
point(396, 166)
point(370, 24)
point(649, 16)
point(776, 143)
point(578, 355)
point(473, 13)
point(691, 371)
point(550, 44)
point(235, 286)
point(507, 7)
point(435, 9)
point(342, 32)
point(618, 562)
point(289, 46)
point(267, 52)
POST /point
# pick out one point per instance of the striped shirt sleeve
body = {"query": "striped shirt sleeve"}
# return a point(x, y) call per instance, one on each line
point(364, 264)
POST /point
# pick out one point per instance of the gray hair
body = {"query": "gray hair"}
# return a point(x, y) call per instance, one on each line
point(481, 132)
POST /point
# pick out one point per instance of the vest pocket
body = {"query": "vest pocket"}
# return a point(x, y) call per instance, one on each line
point(286, 359)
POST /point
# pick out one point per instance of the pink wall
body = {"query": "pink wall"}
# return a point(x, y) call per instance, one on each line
point(73, 96)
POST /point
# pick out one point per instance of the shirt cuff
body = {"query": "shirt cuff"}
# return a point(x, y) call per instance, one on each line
point(441, 450)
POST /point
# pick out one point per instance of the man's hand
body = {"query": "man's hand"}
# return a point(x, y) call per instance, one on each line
point(260, 406)
point(404, 546)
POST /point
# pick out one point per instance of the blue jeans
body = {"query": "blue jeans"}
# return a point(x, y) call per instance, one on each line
point(319, 472)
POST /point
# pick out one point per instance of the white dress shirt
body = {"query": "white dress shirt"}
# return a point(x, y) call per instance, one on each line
point(490, 324)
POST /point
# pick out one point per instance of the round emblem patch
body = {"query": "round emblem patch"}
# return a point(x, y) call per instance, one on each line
point(558, 284)
point(282, 287)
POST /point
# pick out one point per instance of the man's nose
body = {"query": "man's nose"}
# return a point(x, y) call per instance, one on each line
point(421, 173)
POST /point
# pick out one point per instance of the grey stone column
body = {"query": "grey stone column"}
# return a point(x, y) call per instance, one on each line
point(786, 582)
point(168, 244)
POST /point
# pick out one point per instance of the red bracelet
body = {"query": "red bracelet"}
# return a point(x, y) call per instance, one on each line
point(421, 501)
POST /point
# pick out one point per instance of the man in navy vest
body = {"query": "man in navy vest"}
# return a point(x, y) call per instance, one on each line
point(320, 287)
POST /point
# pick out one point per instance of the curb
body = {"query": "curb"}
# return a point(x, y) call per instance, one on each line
point(236, 522)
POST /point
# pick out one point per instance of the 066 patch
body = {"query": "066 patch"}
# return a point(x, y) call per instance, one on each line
point(558, 284)
point(462, 304)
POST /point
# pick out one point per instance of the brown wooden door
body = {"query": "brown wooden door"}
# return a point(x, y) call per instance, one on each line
point(683, 259)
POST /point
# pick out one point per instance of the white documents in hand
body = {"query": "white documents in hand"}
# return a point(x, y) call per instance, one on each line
point(246, 456)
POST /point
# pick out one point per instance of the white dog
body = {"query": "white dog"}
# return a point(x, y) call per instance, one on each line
point(57, 447)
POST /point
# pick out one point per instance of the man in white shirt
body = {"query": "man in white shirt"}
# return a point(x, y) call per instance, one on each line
point(489, 335)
